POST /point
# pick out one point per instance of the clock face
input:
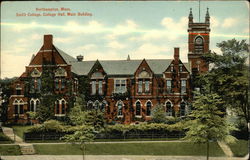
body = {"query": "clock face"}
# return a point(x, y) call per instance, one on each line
point(198, 40)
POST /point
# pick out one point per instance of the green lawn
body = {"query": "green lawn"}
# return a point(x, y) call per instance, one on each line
point(10, 150)
point(4, 139)
point(240, 148)
point(169, 148)
point(19, 130)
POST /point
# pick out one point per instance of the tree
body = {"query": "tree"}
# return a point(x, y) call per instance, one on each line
point(229, 76)
point(207, 121)
point(83, 135)
point(158, 114)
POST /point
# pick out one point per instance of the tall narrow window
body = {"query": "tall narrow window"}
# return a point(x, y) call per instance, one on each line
point(39, 84)
point(63, 107)
point(32, 106)
point(183, 86)
point(16, 109)
point(180, 67)
point(93, 87)
point(146, 85)
point(100, 87)
point(169, 109)
point(169, 86)
point(90, 105)
point(63, 83)
point(140, 86)
point(57, 107)
point(138, 109)
point(149, 105)
point(119, 107)
point(123, 86)
point(182, 109)
point(21, 111)
point(57, 84)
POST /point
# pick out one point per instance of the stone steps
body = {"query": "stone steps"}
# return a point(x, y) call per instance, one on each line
point(27, 149)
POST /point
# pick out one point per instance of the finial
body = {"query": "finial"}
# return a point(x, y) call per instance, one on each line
point(207, 15)
point(128, 58)
point(190, 16)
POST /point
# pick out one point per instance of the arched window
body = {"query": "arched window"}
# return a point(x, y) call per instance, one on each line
point(169, 109)
point(63, 106)
point(32, 106)
point(119, 108)
point(199, 45)
point(97, 104)
point(37, 104)
point(149, 106)
point(90, 105)
point(182, 109)
point(57, 107)
point(138, 108)
point(103, 106)
point(18, 106)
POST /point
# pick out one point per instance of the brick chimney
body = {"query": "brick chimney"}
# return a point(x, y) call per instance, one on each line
point(176, 53)
point(48, 42)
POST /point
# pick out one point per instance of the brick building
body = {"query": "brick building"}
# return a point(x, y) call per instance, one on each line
point(125, 90)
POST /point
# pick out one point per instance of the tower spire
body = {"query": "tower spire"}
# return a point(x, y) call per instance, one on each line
point(190, 17)
point(207, 18)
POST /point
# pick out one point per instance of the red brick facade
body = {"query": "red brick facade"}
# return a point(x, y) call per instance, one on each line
point(129, 89)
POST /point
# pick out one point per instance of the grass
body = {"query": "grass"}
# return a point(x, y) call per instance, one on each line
point(240, 148)
point(19, 130)
point(10, 150)
point(4, 139)
point(169, 148)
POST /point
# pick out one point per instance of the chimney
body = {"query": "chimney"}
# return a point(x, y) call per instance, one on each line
point(47, 42)
point(79, 58)
point(176, 53)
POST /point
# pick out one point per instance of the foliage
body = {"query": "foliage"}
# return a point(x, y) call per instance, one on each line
point(76, 114)
point(229, 76)
point(83, 135)
point(10, 150)
point(7, 90)
point(208, 122)
point(158, 114)
point(47, 126)
point(240, 148)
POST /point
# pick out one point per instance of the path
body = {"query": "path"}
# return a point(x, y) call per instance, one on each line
point(26, 148)
point(113, 157)
point(226, 149)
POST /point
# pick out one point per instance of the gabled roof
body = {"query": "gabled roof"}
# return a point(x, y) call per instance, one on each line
point(116, 67)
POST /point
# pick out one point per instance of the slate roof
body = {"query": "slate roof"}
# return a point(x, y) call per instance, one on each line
point(116, 67)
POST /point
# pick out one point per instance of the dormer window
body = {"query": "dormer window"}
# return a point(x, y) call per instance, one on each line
point(18, 89)
point(180, 67)
point(120, 86)
point(97, 79)
point(144, 82)
point(171, 68)
point(60, 81)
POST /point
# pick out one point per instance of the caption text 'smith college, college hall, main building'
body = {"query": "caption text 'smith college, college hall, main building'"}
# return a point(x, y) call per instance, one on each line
point(125, 90)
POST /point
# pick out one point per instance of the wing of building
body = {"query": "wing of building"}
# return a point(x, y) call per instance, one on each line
point(125, 90)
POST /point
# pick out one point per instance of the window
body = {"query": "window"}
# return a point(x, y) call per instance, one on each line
point(75, 86)
point(60, 84)
point(180, 68)
point(183, 86)
point(39, 84)
point(169, 109)
point(146, 85)
point(171, 67)
point(198, 47)
point(138, 108)
point(120, 86)
point(148, 111)
point(18, 107)
point(140, 86)
point(57, 107)
point(100, 87)
point(119, 107)
point(57, 84)
point(97, 105)
point(182, 109)
point(103, 105)
point(63, 107)
point(18, 91)
point(63, 83)
point(169, 86)
point(34, 104)
point(90, 105)
point(93, 87)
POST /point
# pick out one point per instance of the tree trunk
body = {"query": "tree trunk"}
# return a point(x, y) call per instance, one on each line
point(207, 150)
point(83, 151)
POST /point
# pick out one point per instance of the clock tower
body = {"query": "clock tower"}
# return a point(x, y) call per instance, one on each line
point(198, 43)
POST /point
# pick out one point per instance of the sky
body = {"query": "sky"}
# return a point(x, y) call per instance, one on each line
point(113, 30)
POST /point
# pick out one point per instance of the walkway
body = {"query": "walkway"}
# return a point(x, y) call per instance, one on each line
point(112, 157)
point(226, 149)
point(26, 148)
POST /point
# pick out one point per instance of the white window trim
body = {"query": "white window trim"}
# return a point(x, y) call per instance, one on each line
point(120, 79)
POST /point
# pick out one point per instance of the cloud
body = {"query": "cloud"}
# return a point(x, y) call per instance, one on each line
point(116, 45)
point(17, 65)
point(229, 22)
point(214, 22)
point(63, 39)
